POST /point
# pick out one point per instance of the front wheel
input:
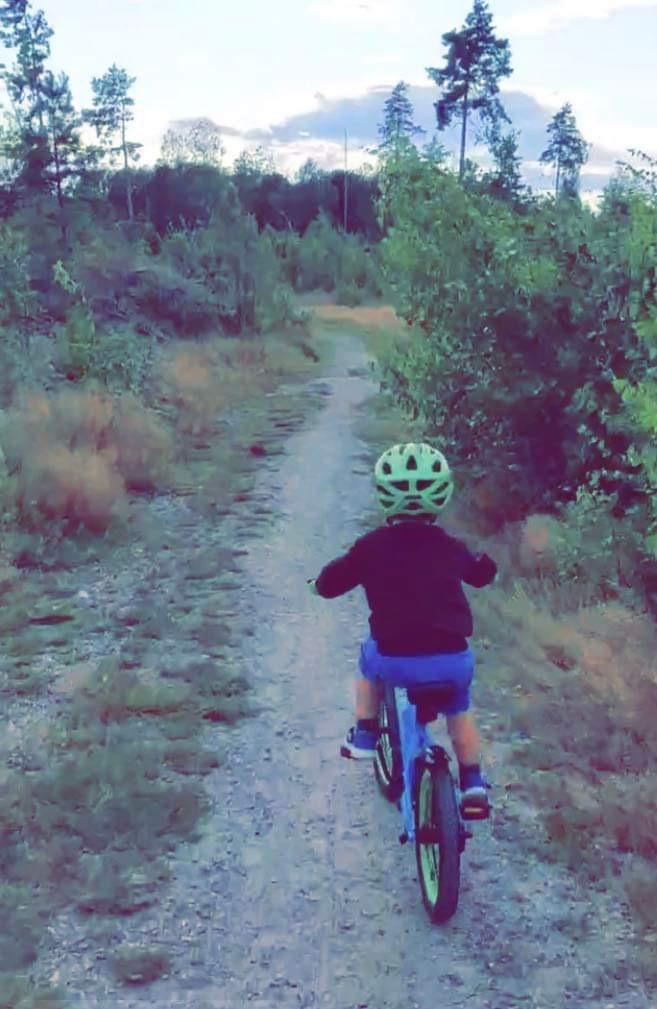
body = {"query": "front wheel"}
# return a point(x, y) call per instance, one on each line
point(388, 767)
point(437, 837)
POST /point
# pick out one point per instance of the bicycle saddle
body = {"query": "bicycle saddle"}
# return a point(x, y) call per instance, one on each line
point(431, 698)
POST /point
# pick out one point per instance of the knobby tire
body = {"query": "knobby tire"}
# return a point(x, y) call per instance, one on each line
point(388, 767)
point(438, 863)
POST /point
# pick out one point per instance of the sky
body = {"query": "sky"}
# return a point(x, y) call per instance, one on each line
point(270, 71)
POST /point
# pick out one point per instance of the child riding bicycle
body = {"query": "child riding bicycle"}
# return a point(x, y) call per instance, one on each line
point(412, 573)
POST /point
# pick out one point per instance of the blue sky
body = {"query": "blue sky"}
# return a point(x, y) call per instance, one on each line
point(257, 63)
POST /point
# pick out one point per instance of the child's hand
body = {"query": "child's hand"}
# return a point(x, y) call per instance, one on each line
point(312, 586)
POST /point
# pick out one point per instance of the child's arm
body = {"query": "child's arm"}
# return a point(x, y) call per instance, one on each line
point(340, 576)
point(479, 570)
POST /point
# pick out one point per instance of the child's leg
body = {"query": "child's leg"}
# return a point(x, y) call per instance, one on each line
point(367, 699)
point(360, 741)
point(465, 738)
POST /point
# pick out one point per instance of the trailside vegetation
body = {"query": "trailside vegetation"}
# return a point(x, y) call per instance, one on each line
point(534, 360)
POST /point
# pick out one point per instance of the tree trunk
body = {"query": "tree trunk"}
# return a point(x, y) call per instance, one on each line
point(58, 186)
point(464, 127)
point(128, 181)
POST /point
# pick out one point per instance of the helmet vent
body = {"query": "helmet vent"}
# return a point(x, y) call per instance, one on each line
point(437, 466)
point(424, 484)
point(411, 462)
point(400, 484)
point(387, 468)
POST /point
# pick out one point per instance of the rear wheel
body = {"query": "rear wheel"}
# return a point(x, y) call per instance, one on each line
point(437, 841)
point(388, 766)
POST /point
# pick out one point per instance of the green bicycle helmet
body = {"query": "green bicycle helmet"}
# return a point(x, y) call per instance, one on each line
point(413, 480)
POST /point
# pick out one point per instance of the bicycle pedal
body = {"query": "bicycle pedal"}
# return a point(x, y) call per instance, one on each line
point(475, 812)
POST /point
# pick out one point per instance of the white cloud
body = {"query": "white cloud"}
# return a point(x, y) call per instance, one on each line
point(619, 137)
point(358, 11)
point(550, 16)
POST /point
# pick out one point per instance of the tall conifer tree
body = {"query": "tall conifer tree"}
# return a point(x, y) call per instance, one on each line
point(476, 62)
point(567, 151)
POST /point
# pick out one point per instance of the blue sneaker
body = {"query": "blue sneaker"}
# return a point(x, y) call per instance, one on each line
point(359, 744)
point(474, 795)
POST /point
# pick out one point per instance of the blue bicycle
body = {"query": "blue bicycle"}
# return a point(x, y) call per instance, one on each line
point(414, 772)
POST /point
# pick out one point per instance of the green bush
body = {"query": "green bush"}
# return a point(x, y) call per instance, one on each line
point(182, 306)
point(523, 322)
point(239, 270)
point(325, 259)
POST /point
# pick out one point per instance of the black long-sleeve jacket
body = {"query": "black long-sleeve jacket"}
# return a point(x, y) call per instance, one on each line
point(412, 573)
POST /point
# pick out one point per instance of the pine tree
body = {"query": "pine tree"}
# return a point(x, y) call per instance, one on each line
point(476, 62)
point(506, 180)
point(398, 127)
point(62, 125)
point(567, 151)
point(29, 35)
point(111, 114)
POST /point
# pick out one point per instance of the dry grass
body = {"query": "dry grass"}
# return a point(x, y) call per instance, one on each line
point(75, 454)
point(203, 379)
point(378, 317)
point(578, 681)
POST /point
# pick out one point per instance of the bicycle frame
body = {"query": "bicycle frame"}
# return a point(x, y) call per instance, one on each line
point(415, 740)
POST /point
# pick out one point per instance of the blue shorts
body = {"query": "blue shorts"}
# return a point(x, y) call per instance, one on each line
point(408, 670)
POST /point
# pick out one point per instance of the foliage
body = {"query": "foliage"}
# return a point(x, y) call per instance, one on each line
point(324, 259)
point(187, 196)
point(524, 325)
point(110, 116)
point(506, 181)
point(398, 126)
point(196, 141)
point(63, 130)
point(567, 151)
point(29, 34)
point(476, 62)
point(18, 301)
point(235, 271)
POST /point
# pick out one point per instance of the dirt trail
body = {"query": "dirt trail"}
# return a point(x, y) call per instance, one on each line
point(299, 894)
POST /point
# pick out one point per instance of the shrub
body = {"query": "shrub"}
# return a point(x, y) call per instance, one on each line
point(328, 260)
point(181, 304)
point(75, 453)
point(523, 322)
point(141, 446)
